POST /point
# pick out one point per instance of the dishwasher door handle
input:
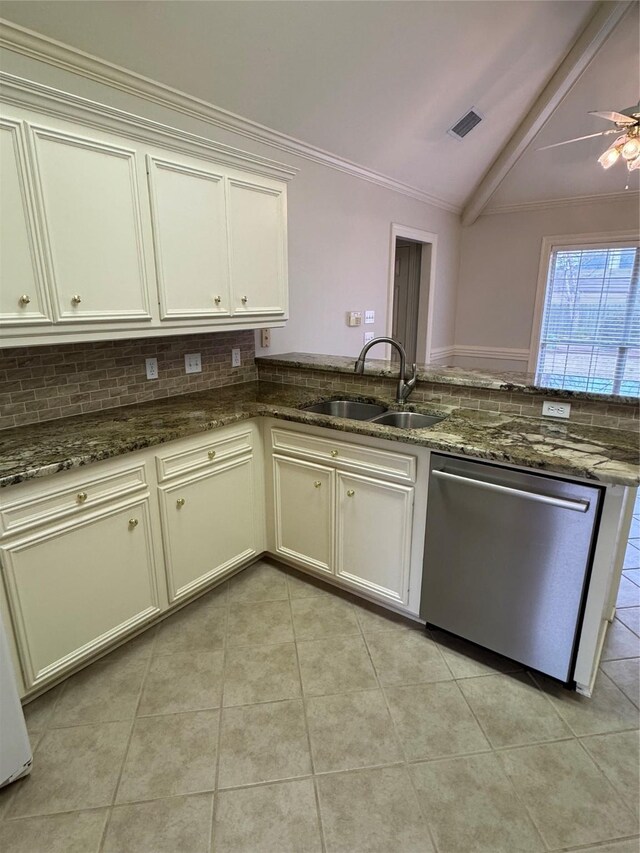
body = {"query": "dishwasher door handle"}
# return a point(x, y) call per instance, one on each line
point(561, 503)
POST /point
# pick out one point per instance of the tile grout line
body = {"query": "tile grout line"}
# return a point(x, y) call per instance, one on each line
point(602, 770)
point(128, 744)
point(216, 781)
point(316, 792)
point(403, 753)
point(495, 752)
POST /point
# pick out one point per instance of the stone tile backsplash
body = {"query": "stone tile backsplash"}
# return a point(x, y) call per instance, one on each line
point(48, 382)
point(590, 412)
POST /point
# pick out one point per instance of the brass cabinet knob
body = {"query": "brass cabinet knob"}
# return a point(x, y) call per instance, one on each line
point(217, 300)
point(211, 454)
point(81, 497)
point(76, 300)
point(180, 502)
point(350, 493)
point(133, 522)
point(244, 300)
point(24, 299)
point(334, 453)
point(317, 484)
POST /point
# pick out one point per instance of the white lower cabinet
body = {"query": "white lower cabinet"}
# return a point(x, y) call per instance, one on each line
point(75, 588)
point(374, 536)
point(354, 526)
point(304, 512)
point(208, 525)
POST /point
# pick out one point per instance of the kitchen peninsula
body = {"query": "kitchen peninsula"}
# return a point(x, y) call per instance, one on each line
point(244, 454)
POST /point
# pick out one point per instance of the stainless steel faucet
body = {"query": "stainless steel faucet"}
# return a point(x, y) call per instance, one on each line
point(405, 386)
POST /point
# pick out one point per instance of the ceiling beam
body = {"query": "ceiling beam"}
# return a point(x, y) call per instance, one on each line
point(605, 19)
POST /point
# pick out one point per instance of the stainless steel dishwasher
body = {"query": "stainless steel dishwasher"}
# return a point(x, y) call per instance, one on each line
point(507, 560)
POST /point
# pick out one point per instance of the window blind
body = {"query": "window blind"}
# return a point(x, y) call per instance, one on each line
point(590, 336)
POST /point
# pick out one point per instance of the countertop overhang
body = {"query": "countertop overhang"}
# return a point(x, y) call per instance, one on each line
point(603, 455)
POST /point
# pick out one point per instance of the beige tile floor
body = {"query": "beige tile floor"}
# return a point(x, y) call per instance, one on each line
point(276, 716)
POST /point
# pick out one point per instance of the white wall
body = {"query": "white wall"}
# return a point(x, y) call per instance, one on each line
point(499, 262)
point(339, 231)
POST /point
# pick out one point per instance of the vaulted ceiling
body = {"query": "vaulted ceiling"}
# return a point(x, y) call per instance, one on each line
point(377, 83)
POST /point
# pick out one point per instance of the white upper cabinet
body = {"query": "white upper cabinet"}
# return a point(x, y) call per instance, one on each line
point(88, 192)
point(124, 228)
point(257, 246)
point(22, 293)
point(190, 240)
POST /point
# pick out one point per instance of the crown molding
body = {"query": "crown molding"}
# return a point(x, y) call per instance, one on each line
point(546, 204)
point(53, 102)
point(43, 49)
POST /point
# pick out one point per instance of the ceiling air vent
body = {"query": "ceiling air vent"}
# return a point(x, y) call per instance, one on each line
point(465, 125)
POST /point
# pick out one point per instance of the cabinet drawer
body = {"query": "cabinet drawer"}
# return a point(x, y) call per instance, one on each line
point(355, 457)
point(54, 504)
point(170, 465)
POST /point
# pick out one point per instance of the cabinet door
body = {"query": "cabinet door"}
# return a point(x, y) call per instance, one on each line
point(374, 536)
point(22, 295)
point(303, 495)
point(75, 589)
point(190, 238)
point(257, 247)
point(88, 192)
point(208, 525)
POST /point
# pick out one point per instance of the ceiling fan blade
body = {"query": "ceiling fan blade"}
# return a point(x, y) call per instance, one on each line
point(577, 139)
point(619, 118)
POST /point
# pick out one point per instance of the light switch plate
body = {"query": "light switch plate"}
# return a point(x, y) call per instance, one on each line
point(192, 363)
point(369, 317)
point(553, 409)
point(368, 336)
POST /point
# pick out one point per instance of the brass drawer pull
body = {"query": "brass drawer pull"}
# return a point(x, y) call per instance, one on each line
point(211, 454)
point(133, 522)
point(180, 502)
point(217, 300)
point(76, 300)
point(334, 453)
point(244, 300)
point(81, 497)
point(317, 484)
point(24, 299)
point(350, 493)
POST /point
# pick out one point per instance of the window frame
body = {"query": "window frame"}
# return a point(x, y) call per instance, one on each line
point(601, 240)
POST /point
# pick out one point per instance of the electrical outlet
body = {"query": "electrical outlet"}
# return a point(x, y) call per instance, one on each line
point(235, 357)
point(556, 410)
point(369, 317)
point(368, 336)
point(265, 337)
point(152, 368)
point(192, 363)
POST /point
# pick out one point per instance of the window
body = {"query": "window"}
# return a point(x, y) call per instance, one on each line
point(590, 331)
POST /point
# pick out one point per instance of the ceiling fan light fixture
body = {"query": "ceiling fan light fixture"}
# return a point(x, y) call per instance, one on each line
point(633, 164)
point(631, 148)
point(609, 157)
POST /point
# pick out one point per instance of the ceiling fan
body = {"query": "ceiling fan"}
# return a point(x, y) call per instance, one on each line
point(627, 145)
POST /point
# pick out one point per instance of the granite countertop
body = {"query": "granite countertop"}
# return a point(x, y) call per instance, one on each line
point(605, 455)
point(523, 383)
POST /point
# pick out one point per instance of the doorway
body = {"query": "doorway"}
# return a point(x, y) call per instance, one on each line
point(406, 296)
point(410, 291)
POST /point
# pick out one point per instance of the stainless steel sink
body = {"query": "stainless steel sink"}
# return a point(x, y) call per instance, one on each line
point(346, 409)
point(407, 420)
